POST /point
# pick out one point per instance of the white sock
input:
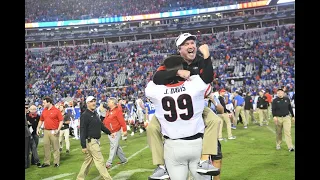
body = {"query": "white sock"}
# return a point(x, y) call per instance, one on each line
point(162, 166)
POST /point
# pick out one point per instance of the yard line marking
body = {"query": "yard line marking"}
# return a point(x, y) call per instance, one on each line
point(75, 149)
point(123, 175)
point(58, 176)
point(272, 130)
point(116, 166)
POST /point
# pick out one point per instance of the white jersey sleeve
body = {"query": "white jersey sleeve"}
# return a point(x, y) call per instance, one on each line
point(150, 91)
point(179, 107)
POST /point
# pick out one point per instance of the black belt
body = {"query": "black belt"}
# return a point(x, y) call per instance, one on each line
point(196, 136)
point(283, 116)
point(89, 139)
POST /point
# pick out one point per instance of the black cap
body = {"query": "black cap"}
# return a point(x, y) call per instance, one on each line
point(280, 89)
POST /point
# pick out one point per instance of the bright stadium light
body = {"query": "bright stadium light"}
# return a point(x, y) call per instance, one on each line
point(285, 1)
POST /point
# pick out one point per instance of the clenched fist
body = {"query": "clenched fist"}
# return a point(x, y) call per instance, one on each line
point(204, 49)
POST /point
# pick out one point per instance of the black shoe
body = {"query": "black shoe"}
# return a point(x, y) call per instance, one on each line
point(67, 151)
point(43, 165)
point(38, 164)
point(56, 165)
point(291, 149)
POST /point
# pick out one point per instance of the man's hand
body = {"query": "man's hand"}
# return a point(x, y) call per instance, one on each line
point(56, 132)
point(113, 135)
point(204, 49)
point(124, 133)
point(84, 151)
point(184, 74)
point(293, 120)
point(275, 119)
point(38, 131)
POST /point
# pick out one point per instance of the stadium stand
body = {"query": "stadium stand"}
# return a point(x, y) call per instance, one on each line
point(258, 58)
point(59, 10)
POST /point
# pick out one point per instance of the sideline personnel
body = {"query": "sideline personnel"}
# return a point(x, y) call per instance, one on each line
point(90, 129)
point(52, 119)
point(281, 107)
point(114, 121)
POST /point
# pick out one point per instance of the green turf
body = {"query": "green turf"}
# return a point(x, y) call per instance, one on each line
point(252, 156)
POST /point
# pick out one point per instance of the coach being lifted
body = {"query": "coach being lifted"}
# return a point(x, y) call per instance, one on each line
point(193, 64)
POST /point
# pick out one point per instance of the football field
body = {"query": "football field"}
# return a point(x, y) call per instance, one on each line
point(252, 156)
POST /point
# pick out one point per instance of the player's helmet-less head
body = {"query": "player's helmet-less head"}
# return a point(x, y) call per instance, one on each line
point(186, 45)
point(173, 62)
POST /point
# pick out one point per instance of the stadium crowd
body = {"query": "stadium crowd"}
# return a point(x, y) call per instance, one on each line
point(59, 10)
point(262, 59)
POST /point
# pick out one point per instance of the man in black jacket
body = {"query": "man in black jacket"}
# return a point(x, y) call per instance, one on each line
point(248, 107)
point(64, 131)
point(193, 64)
point(90, 129)
point(262, 107)
point(27, 135)
point(281, 107)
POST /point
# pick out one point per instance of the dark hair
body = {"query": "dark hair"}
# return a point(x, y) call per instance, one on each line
point(48, 99)
point(173, 62)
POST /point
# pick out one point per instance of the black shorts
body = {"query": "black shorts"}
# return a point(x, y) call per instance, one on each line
point(219, 155)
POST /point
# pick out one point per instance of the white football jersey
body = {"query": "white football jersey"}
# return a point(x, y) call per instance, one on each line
point(138, 101)
point(179, 107)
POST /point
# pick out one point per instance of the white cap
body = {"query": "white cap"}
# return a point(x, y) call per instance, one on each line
point(90, 98)
point(182, 37)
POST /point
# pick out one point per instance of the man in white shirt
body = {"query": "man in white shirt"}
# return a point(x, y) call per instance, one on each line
point(139, 113)
point(179, 107)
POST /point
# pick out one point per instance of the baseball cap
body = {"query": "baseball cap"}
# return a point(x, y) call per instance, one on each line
point(182, 37)
point(90, 98)
point(222, 90)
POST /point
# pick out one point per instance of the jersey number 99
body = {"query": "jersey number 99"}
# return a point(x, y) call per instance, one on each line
point(184, 101)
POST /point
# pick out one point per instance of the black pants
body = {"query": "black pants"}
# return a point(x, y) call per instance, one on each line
point(27, 152)
point(34, 140)
point(219, 155)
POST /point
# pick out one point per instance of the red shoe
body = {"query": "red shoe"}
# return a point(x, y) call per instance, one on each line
point(122, 162)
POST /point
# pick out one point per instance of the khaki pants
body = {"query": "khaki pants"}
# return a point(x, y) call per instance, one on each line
point(240, 111)
point(64, 133)
point(226, 119)
point(210, 138)
point(48, 140)
point(93, 155)
point(269, 111)
point(249, 113)
point(263, 115)
point(285, 124)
